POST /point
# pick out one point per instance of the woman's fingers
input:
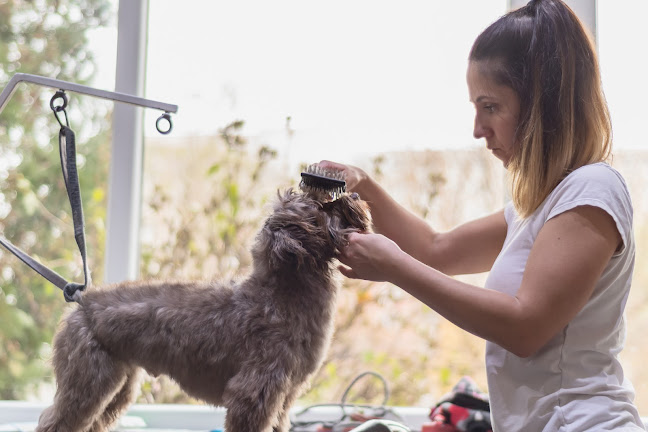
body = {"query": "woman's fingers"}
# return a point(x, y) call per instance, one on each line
point(348, 272)
point(352, 175)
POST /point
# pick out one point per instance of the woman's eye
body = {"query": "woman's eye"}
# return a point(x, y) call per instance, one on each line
point(490, 108)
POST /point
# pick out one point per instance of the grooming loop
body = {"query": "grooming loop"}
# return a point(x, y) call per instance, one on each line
point(67, 149)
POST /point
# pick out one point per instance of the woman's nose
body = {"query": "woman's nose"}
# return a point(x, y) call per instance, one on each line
point(480, 130)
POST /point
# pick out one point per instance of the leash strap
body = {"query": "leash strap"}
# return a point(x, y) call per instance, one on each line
point(67, 150)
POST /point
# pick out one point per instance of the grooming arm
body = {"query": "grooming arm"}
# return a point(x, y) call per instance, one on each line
point(78, 88)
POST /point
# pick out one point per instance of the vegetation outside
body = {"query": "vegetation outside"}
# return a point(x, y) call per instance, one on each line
point(48, 39)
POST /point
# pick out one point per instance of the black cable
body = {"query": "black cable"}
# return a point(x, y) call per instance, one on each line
point(381, 409)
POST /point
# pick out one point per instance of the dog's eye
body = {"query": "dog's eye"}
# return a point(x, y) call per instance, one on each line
point(355, 196)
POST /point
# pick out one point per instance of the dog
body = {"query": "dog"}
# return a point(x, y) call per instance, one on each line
point(250, 346)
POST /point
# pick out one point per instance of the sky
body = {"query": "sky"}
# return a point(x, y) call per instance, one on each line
point(354, 77)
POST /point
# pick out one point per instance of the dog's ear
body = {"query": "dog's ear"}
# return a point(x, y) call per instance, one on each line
point(286, 249)
point(337, 232)
point(356, 212)
point(297, 233)
point(347, 214)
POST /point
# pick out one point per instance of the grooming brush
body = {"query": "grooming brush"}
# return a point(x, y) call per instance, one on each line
point(318, 180)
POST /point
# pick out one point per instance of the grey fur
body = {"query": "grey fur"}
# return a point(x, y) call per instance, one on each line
point(250, 346)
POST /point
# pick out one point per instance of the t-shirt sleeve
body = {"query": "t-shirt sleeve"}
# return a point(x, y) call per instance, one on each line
point(509, 213)
point(597, 185)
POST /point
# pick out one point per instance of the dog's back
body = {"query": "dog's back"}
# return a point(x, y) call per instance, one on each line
point(203, 332)
point(156, 325)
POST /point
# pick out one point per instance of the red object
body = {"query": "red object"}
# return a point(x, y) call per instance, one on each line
point(437, 427)
point(445, 416)
point(465, 409)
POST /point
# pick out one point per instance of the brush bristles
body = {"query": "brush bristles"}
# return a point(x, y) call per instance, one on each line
point(316, 179)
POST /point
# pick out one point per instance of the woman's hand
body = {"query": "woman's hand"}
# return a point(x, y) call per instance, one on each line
point(353, 176)
point(369, 257)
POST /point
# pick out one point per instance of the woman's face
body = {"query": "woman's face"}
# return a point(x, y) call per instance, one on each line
point(497, 109)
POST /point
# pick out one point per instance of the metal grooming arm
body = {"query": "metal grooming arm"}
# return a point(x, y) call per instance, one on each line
point(78, 88)
point(122, 213)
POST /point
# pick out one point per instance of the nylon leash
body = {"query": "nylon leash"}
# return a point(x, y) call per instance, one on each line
point(67, 150)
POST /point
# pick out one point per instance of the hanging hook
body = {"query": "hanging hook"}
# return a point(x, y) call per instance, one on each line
point(167, 117)
point(58, 108)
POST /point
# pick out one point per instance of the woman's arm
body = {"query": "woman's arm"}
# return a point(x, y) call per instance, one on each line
point(469, 248)
point(567, 259)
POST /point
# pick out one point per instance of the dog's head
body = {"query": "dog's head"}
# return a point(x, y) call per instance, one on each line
point(304, 231)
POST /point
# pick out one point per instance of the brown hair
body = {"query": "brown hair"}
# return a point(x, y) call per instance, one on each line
point(543, 53)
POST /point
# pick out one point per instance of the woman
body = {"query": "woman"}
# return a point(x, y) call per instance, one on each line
point(560, 255)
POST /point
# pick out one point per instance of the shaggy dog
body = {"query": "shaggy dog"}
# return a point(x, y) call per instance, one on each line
point(250, 346)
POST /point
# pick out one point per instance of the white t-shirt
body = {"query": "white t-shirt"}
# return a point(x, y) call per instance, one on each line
point(575, 382)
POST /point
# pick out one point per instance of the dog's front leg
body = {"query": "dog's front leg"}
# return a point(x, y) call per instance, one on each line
point(254, 400)
point(283, 420)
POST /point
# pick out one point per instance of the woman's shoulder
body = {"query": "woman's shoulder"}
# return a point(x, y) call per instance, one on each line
point(599, 171)
point(598, 185)
point(594, 178)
